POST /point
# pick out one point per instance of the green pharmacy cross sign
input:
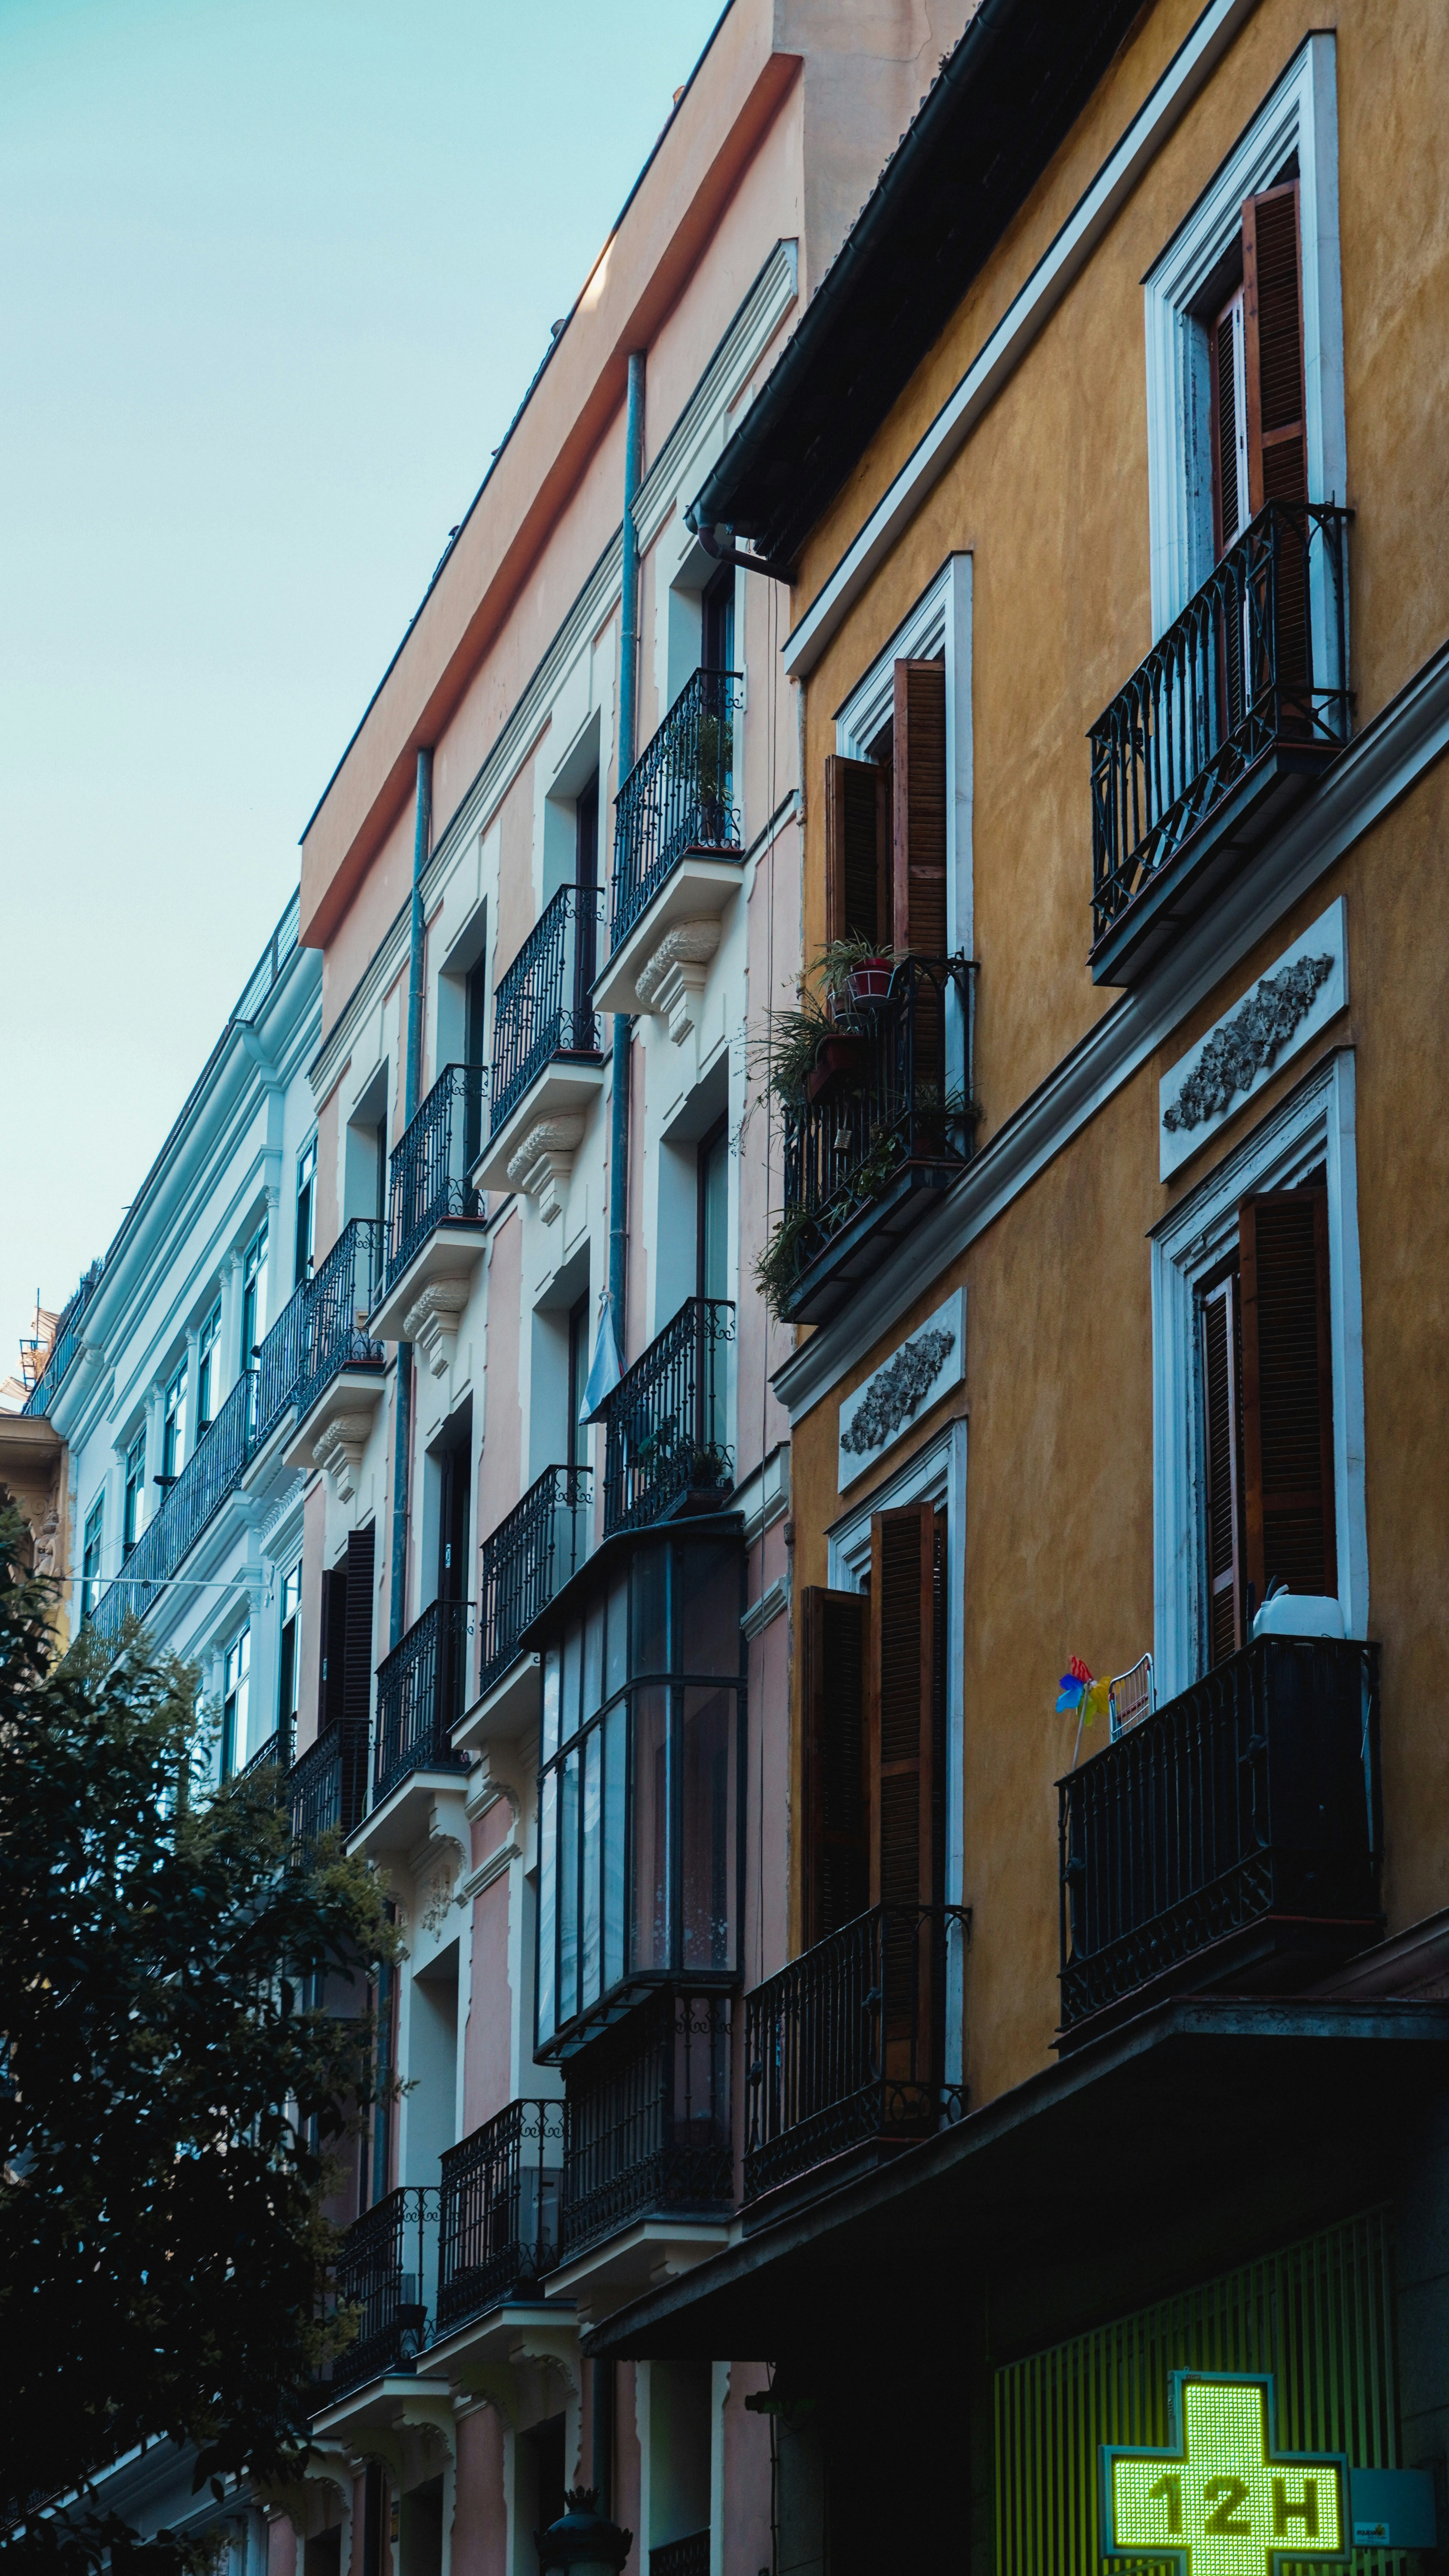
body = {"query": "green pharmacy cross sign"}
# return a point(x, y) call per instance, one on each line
point(1224, 2500)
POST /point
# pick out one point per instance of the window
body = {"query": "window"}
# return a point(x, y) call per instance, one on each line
point(289, 1661)
point(206, 1368)
point(639, 1799)
point(306, 1213)
point(717, 636)
point(134, 1515)
point(475, 1040)
point(173, 1428)
point(576, 1432)
point(91, 1557)
point(586, 878)
point(235, 1692)
point(898, 788)
point(254, 1297)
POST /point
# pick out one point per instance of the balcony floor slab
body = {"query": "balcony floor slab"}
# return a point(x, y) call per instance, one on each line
point(697, 888)
point(354, 1394)
point(376, 2403)
point(644, 2255)
point(864, 1245)
point(496, 2335)
point(566, 1087)
point(423, 1814)
point(507, 1711)
point(450, 1254)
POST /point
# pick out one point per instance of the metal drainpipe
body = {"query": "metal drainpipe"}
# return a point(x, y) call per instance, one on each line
point(412, 1084)
point(628, 730)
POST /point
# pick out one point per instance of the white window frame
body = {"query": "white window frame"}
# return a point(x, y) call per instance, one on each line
point(1314, 1125)
point(1300, 115)
point(940, 622)
point(935, 1474)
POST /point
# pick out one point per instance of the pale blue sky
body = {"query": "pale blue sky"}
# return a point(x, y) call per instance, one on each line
point(275, 275)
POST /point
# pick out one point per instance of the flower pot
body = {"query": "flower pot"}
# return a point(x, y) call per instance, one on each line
point(870, 982)
point(838, 1061)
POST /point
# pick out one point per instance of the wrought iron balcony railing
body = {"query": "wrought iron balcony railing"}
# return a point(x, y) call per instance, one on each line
point(327, 1785)
point(421, 1690)
point(665, 1422)
point(340, 1295)
point(65, 1344)
point(688, 2556)
point(542, 1008)
point(648, 2128)
point(1257, 662)
point(499, 2226)
point(282, 1360)
point(847, 2045)
point(525, 1560)
point(888, 1112)
point(211, 1473)
point(428, 1175)
point(275, 1754)
point(679, 795)
point(387, 2272)
point(1252, 1796)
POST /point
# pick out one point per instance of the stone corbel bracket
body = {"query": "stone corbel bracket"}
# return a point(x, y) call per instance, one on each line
point(338, 1451)
point(671, 982)
point(431, 1323)
point(542, 1165)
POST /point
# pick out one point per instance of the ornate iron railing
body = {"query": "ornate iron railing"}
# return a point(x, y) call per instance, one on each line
point(890, 1096)
point(665, 1421)
point(848, 2044)
point(276, 1753)
point(421, 1691)
point(327, 1785)
point(1253, 1794)
point(686, 2557)
point(211, 1473)
point(679, 795)
point(428, 1182)
point(1258, 659)
point(283, 1360)
point(648, 2125)
point(524, 1561)
point(499, 2227)
point(387, 2271)
point(342, 1291)
point(65, 1344)
point(542, 1008)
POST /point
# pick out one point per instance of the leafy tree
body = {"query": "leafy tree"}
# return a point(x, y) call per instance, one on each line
point(174, 2093)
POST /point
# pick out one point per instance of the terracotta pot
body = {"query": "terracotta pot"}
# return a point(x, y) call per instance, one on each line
point(870, 982)
point(838, 1060)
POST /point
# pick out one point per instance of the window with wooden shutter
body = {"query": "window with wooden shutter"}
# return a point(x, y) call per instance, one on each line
point(1219, 1323)
point(357, 1672)
point(857, 881)
point(836, 1857)
point(1273, 348)
point(918, 830)
point(334, 1645)
point(907, 1601)
point(1289, 1530)
point(1229, 425)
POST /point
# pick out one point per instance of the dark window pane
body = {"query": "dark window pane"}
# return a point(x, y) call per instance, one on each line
point(651, 1829)
point(707, 1800)
point(709, 1609)
point(547, 1902)
point(568, 1722)
point(651, 1634)
point(568, 1889)
point(593, 1659)
point(615, 1739)
point(616, 1652)
point(592, 1821)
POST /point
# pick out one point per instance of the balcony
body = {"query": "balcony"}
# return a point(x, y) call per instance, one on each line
point(846, 2050)
point(523, 1563)
point(648, 2141)
point(65, 1343)
point(213, 1471)
point(547, 1053)
point(422, 1687)
point(499, 2223)
point(435, 1217)
point(327, 1785)
point(688, 2556)
point(1221, 732)
point(274, 1755)
point(340, 1384)
point(387, 2272)
point(665, 1423)
point(677, 840)
point(884, 1123)
point(1233, 1834)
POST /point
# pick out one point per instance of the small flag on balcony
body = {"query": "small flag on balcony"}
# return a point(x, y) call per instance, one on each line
point(605, 1369)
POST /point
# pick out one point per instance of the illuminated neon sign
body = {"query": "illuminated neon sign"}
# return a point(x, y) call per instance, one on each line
point(1224, 2500)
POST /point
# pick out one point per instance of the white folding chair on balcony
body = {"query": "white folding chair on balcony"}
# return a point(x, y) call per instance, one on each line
point(1130, 1697)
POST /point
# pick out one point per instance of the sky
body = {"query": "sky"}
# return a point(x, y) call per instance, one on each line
point(274, 275)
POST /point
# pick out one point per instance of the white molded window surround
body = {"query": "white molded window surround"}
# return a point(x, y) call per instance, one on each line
point(940, 622)
point(1296, 128)
point(1312, 1128)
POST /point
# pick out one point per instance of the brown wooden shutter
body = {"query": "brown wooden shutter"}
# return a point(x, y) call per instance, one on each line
point(902, 1561)
point(1228, 427)
point(334, 1646)
point(1273, 348)
point(1289, 1533)
point(856, 884)
point(836, 1858)
point(357, 1672)
point(918, 838)
point(1221, 1371)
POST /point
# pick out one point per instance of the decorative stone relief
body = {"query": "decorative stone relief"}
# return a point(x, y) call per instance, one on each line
point(902, 1388)
point(1275, 1019)
point(672, 979)
point(337, 1450)
point(543, 1161)
point(437, 1899)
point(431, 1322)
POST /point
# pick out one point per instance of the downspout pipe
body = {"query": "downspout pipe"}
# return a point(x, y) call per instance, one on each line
point(412, 1085)
point(628, 742)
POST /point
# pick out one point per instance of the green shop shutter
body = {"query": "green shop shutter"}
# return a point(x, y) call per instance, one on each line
point(1319, 2316)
